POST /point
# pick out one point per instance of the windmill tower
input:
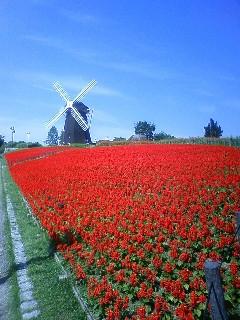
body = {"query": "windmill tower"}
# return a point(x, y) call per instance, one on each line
point(78, 116)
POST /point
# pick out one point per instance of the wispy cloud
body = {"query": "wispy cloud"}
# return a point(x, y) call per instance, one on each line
point(203, 92)
point(32, 125)
point(62, 46)
point(36, 79)
point(75, 84)
point(207, 108)
point(44, 81)
point(40, 39)
point(103, 117)
point(141, 68)
point(105, 91)
point(108, 126)
point(38, 86)
point(230, 78)
point(78, 17)
point(233, 103)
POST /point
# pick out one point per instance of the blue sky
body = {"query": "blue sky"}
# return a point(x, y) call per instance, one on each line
point(175, 63)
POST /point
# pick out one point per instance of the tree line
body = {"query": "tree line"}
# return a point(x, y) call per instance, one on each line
point(146, 130)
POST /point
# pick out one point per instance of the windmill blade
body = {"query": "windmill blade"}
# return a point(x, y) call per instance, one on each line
point(85, 90)
point(63, 93)
point(80, 120)
point(78, 117)
point(56, 117)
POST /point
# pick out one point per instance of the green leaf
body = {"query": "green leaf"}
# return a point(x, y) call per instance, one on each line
point(202, 306)
point(228, 298)
point(125, 287)
point(186, 286)
point(198, 312)
point(170, 297)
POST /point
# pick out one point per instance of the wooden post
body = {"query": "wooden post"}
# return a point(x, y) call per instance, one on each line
point(216, 299)
point(238, 225)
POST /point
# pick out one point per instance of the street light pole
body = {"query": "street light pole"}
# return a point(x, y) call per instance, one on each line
point(13, 131)
point(28, 137)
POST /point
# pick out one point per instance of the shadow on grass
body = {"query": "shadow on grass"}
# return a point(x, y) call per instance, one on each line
point(23, 265)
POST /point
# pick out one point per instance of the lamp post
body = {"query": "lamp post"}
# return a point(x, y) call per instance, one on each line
point(28, 137)
point(13, 131)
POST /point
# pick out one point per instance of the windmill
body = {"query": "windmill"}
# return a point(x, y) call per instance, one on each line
point(78, 116)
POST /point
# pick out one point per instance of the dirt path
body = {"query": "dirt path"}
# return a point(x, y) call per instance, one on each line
point(4, 264)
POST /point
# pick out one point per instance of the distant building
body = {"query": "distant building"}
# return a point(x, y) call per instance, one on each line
point(137, 137)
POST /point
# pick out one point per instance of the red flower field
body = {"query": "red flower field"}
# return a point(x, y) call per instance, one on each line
point(137, 223)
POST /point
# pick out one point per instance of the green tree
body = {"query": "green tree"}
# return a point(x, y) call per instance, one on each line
point(52, 138)
point(61, 138)
point(1, 140)
point(213, 130)
point(34, 144)
point(162, 135)
point(119, 139)
point(2, 145)
point(145, 128)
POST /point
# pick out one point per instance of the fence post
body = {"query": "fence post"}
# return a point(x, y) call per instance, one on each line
point(238, 225)
point(215, 290)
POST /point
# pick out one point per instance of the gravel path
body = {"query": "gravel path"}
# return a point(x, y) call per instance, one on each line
point(28, 305)
point(4, 264)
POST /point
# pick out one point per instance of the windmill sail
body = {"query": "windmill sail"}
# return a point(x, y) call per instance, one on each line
point(77, 116)
point(85, 90)
point(56, 117)
point(63, 93)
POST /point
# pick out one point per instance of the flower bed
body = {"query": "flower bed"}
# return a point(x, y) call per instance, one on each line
point(137, 223)
point(31, 154)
